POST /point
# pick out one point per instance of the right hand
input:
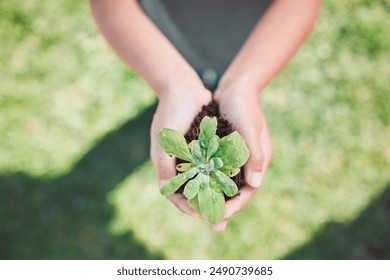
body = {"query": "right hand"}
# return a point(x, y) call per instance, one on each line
point(176, 109)
point(240, 105)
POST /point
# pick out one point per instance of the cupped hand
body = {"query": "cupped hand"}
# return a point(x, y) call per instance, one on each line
point(176, 109)
point(241, 107)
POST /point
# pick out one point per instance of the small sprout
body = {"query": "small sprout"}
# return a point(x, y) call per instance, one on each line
point(210, 162)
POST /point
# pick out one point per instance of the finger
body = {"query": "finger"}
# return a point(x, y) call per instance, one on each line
point(164, 164)
point(238, 202)
point(254, 167)
point(181, 203)
point(219, 227)
point(266, 147)
point(165, 168)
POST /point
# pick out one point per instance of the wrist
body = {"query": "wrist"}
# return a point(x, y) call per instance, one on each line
point(182, 88)
point(180, 84)
point(243, 85)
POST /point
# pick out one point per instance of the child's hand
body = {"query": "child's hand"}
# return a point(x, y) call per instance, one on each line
point(176, 109)
point(241, 107)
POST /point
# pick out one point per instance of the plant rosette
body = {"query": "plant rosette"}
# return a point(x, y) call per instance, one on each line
point(210, 162)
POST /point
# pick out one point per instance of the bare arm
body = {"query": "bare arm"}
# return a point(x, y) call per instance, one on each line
point(141, 45)
point(272, 43)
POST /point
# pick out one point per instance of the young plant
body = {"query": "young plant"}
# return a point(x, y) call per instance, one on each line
point(210, 162)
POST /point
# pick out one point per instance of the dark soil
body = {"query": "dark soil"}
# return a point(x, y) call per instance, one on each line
point(224, 128)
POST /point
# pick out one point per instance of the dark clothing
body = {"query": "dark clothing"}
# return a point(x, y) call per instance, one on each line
point(208, 33)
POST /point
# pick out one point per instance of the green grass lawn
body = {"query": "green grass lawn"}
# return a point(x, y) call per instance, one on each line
point(76, 181)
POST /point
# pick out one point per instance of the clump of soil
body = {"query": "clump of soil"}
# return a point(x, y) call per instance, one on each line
point(224, 128)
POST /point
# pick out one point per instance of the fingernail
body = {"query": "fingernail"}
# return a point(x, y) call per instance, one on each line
point(255, 179)
point(162, 183)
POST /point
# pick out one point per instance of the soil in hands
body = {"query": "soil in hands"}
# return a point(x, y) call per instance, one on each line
point(224, 128)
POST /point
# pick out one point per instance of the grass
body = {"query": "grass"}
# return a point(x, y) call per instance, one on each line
point(75, 177)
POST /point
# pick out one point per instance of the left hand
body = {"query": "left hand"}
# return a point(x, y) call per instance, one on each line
point(176, 109)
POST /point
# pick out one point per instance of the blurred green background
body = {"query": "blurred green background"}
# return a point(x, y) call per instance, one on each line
point(76, 181)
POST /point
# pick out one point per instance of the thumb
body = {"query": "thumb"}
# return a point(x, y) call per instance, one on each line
point(254, 166)
point(164, 164)
point(165, 167)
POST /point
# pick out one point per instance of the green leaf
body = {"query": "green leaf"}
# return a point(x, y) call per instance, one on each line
point(226, 184)
point(192, 172)
point(218, 163)
point(233, 151)
point(192, 187)
point(211, 204)
point(205, 180)
point(196, 151)
point(214, 185)
point(174, 144)
point(183, 167)
point(176, 182)
point(173, 184)
point(194, 202)
point(208, 126)
point(210, 167)
point(203, 141)
point(212, 147)
point(231, 172)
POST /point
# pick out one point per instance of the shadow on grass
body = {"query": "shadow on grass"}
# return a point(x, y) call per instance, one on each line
point(67, 218)
point(368, 237)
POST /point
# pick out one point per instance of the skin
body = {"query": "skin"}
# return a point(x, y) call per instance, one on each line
point(273, 42)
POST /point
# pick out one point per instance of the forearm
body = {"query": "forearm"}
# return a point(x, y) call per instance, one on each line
point(272, 43)
point(141, 45)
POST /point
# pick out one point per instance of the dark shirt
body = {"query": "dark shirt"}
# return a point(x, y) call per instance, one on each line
point(208, 33)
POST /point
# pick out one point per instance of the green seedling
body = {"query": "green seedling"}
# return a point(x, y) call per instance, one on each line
point(211, 161)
